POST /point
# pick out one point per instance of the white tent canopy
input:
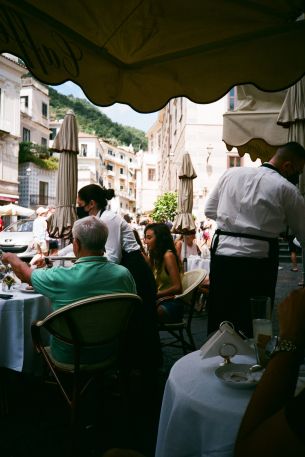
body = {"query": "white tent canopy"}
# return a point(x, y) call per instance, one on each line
point(15, 210)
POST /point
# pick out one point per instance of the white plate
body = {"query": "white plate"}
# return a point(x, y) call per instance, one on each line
point(237, 375)
point(28, 291)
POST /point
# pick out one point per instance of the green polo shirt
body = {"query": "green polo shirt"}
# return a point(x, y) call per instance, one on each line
point(88, 277)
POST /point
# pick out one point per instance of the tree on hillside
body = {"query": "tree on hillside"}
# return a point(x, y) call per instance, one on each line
point(165, 207)
point(92, 120)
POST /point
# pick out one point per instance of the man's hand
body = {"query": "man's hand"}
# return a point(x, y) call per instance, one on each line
point(292, 317)
point(21, 269)
point(38, 261)
point(8, 257)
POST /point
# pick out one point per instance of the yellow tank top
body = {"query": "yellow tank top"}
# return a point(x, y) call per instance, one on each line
point(162, 278)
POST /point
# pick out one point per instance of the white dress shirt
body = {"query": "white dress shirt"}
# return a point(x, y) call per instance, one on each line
point(120, 236)
point(257, 201)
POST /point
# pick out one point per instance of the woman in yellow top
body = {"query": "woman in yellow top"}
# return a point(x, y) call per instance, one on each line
point(164, 261)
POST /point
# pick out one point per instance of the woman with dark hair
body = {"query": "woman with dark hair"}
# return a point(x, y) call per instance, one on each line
point(167, 270)
point(122, 247)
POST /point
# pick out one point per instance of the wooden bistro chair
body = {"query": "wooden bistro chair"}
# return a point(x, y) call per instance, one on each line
point(98, 322)
point(190, 282)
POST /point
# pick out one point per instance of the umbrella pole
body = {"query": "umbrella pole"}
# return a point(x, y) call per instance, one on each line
point(184, 258)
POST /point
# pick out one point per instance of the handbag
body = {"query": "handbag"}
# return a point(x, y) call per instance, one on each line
point(225, 335)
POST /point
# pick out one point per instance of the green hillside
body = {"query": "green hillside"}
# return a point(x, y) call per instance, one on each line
point(91, 120)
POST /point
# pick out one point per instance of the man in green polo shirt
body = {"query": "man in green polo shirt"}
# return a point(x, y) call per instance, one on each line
point(92, 274)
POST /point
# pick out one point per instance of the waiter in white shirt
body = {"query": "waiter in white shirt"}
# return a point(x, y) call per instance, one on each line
point(251, 207)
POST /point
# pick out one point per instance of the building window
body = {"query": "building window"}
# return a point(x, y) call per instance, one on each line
point(121, 171)
point(234, 161)
point(53, 133)
point(44, 109)
point(232, 99)
point(43, 193)
point(83, 150)
point(44, 142)
point(111, 153)
point(26, 134)
point(121, 187)
point(151, 174)
point(24, 102)
point(110, 167)
point(122, 157)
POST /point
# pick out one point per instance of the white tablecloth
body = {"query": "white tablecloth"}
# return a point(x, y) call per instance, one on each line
point(16, 315)
point(200, 415)
point(195, 261)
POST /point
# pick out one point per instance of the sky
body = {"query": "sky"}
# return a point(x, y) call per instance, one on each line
point(118, 112)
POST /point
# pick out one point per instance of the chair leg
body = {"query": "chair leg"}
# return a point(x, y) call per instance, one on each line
point(183, 342)
point(191, 339)
point(75, 407)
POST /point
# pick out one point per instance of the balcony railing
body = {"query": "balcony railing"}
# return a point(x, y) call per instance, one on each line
point(43, 200)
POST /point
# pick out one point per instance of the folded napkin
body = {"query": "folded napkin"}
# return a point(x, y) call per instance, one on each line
point(225, 335)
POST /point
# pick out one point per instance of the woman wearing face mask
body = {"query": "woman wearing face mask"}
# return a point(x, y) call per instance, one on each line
point(122, 247)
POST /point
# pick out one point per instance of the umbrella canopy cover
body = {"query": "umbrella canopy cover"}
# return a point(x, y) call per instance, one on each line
point(144, 52)
point(15, 210)
point(184, 221)
point(66, 142)
point(293, 108)
point(292, 115)
point(252, 126)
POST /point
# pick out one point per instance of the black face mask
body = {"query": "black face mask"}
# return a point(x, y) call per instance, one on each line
point(81, 212)
point(294, 179)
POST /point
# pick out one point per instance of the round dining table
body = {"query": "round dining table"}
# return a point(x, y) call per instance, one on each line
point(16, 316)
point(200, 414)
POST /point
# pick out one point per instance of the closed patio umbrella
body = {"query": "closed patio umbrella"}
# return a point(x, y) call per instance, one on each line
point(292, 115)
point(184, 221)
point(66, 142)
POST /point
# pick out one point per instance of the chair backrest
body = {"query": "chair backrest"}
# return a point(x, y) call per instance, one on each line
point(191, 280)
point(92, 321)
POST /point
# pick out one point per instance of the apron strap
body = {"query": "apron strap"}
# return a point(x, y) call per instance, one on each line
point(273, 242)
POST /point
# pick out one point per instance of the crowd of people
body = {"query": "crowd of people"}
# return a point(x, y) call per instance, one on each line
point(245, 215)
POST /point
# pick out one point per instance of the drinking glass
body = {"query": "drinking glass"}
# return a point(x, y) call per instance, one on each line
point(261, 324)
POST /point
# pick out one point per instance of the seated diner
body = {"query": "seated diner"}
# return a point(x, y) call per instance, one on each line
point(167, 269)
point(91, 275)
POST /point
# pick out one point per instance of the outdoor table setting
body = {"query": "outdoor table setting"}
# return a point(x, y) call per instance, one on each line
point(16, 315)
point(195, 261)
point(200, 413)
point(207, 393)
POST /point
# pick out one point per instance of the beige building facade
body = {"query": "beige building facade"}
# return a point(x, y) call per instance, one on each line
point(119, 174)
point(184, 126)
point(34, 107)
point(148, 170)
point(90, 160)
point(10, 85)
